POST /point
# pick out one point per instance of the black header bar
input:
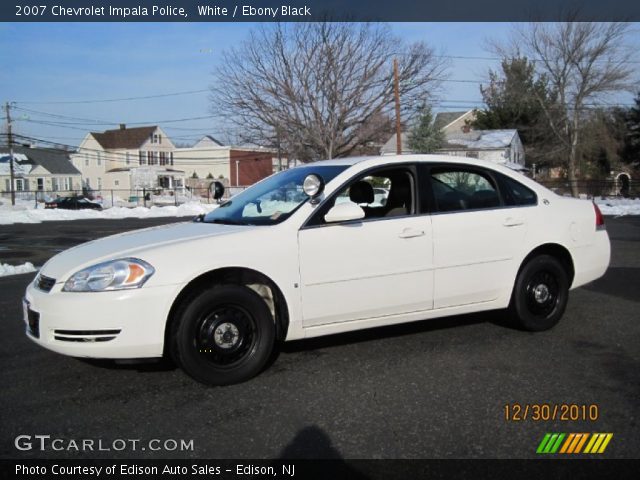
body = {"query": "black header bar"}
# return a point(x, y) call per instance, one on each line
point(319, 469)
point(313, 10)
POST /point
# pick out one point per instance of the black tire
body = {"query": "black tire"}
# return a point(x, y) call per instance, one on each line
point(540, 294)
point(223, 335)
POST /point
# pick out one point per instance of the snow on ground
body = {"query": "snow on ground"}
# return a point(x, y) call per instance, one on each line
point(6, 269)
point(619, 206)
point(24, 212)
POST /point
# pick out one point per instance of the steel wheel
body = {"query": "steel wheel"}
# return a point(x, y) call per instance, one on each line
point(226, 336)
point(540, 294)
point(223, 335)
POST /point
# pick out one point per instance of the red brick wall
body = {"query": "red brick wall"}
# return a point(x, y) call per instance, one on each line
point(252, 166)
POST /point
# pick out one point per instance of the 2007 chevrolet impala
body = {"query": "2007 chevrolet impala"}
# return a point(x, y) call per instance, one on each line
point(314, 251)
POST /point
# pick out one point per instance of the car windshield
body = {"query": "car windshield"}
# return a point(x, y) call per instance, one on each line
point(271, 201)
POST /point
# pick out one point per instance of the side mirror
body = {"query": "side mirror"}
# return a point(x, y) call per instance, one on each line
point(217, 190)
point(313, 185)
point(344, 212)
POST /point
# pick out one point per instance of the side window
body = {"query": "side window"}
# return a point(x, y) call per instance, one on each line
point(516, 194)
point(385, 193)
point(457, 189)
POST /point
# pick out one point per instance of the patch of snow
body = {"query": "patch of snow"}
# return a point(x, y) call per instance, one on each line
point(6, 269)
point(21, 165)
point(618, 206)
point(24, 212)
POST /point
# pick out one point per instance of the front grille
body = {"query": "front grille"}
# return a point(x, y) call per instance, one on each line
point(45, 283)
point(85, 335)
point(33, 323)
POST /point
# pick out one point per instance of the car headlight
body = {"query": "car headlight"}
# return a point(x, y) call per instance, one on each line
point(118, 274)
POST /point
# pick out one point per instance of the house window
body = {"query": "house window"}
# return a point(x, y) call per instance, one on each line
point(99, 183)
point(98, 159)
point(128, 158)
point(54, 184)
point(153, 158)
point(40, 183)
point(163, 158)
point(141, 158)
point(20, 184)
point(116, 182)
point(171, 157)
point(159, 138)
point(87, 182)
point(7, 185)
point(86, 159)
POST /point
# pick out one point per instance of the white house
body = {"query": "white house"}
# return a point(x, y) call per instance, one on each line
point(39, 169)
point(239, 165)
point(128, 158)
point(207, 158)
point(498, 146)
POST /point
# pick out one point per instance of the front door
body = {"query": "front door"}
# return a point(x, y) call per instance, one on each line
point(378, 266)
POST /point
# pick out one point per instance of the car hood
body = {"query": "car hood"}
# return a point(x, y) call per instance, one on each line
point(132, 244)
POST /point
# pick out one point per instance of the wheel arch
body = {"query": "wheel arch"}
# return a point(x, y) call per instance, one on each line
point(555, 250)
point(257, 281)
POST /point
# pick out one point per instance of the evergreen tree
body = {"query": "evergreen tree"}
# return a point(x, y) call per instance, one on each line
point(513, 101)
point(424, 137)
point(631, 148)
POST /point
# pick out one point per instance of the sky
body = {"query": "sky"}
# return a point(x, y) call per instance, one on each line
point(44, 67)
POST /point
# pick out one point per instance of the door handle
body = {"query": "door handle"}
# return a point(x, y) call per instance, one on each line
point(512, 222)
point(410, 233)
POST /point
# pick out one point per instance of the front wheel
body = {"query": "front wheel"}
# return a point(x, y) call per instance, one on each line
point(224, 335)
point(540, 294)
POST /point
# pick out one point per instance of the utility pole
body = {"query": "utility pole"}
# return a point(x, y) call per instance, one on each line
point(10, 140)
point(396, 89)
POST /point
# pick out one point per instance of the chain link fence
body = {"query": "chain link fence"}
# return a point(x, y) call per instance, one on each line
point(595, 188)
point(142, 197)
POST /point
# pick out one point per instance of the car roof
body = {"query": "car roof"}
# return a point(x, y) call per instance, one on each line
point(390, 159)
point(381, 160)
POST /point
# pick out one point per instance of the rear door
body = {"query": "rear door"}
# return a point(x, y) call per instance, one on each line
point(476, 235)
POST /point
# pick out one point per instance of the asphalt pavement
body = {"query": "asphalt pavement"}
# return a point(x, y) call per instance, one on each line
point(433, 389)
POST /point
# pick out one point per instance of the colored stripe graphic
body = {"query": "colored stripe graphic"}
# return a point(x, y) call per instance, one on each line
point(573, 443)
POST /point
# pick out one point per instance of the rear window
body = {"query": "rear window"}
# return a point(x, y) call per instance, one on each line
point(516, 194)
point(458, 189)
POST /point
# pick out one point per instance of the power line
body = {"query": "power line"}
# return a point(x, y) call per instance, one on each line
point(106, 100)
point(121, 158)
point(146, 122)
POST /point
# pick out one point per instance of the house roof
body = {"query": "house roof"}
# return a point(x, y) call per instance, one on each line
point(21, 164)
point(472, 140)
point(124, 137)
point(445, 118)
point(481, 139)
point(209, 138)
point(56, 162)
point(390, 147)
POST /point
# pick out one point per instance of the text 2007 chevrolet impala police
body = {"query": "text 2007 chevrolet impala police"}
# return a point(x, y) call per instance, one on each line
point(321, 249)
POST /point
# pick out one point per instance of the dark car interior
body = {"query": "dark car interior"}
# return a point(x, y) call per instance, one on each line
point(398, 202)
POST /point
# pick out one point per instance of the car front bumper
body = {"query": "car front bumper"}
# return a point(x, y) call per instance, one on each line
point(118, 324)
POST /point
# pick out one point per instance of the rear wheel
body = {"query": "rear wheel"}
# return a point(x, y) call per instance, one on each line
point(224, 335)
point(540, 294)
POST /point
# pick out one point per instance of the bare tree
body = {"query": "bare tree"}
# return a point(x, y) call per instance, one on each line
point(582, 62)
point(318, 90)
